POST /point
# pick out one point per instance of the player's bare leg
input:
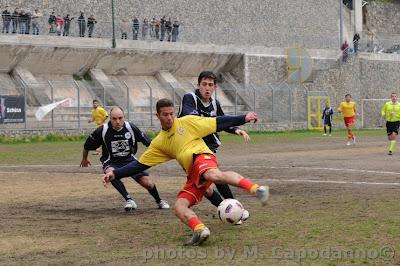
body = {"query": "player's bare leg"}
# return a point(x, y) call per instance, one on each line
point(350, 136)
point(392, 138)
point(232, 178)
point(189, 217)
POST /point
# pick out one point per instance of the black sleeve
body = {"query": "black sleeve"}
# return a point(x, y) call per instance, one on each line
point(220, 112)
point(227, 121)
point(188, 106)
point(95, 140)
point(130, 169)
point(140, 136)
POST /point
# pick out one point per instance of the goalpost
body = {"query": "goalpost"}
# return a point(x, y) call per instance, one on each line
point(371, 113)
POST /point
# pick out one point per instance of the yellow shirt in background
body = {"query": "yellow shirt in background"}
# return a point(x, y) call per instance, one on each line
point(391, 111)
point(180, 142)
point(348, 109)
point(99, 116)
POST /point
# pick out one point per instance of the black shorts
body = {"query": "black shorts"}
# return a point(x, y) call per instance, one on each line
point(392, 127)
point(136, 177)
point(328, 123)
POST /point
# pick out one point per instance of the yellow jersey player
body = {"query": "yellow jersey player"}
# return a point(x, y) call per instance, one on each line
point(181, 139)
point(391, 111)
point(349, 111)
point(99, 116)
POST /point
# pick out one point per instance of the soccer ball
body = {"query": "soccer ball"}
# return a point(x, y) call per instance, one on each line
point(230, 211)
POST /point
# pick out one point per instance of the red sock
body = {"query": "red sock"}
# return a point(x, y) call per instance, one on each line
point(248, 185)
point(195, 224)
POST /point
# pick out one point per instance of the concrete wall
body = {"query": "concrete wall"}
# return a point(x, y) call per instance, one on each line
point(260, 22)
point(383, 17)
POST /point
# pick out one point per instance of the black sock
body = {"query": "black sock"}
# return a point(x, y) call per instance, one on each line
point(153, 191)
point(118, 185)
point(330, 130)
point(325, 129)
point(225, 191)
point(215, 198)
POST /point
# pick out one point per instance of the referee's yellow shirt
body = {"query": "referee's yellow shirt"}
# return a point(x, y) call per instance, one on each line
point(391, 111)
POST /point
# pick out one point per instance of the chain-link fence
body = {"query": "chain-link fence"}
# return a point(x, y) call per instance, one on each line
point(274, 103)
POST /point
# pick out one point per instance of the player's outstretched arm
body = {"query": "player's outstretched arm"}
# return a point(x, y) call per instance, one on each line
point(227, 121)
point(130, 169)
point(85, 162)
point(242, 133)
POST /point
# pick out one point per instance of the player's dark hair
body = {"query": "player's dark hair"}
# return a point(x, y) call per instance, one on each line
point(95, 101)
point(348, 94)
point(392, 94)
point(163, 103)
point(207, 75)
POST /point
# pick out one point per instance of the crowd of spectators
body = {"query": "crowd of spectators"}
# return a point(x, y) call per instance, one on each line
point(20, 21)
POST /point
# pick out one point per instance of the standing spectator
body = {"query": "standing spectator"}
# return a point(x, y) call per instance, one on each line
point(59, 25)
point(135, 28)
point(52, 22)
point(15, 20)
point(35, 21)
point(124, 27)
point(6, 16)
point(168, 27)
point(152, 28)
point(356, 39)
point(22, 22)
point(157, 29)
point(345, 51)
point(175, 30)
point(162, 26)
point(82, 24)
point(28, 19)
point(67, 24)
point(90, 23)
point(327, 114)
point(145, 28)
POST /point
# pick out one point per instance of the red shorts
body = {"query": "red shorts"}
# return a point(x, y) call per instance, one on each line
point(195, 187)
point(349, 121)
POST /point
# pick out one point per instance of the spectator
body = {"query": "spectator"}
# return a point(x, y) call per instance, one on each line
point(82, 24)
point(35, 22)
point(124, 27)
point(145, 28)
point(345, 50)
point(22, 22)
point(59, 25)
point(168, 27)
point(15, 19)
point(67, 24)
point(175, 30)
point(52, 22)
point(157, 29)
point(162, 26)
point(90, 23)
point(152, 28)
point(28, 19)
point(6, 16)
point(356, 39)
point(135, 28)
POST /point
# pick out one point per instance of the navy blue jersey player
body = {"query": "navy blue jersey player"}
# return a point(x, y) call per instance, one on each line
point(201, 103)
point(327, 114)
point(118, 140)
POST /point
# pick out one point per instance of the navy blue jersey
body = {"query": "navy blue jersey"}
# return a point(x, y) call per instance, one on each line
point(192, 105)
point(117, 146)
point(327, 114)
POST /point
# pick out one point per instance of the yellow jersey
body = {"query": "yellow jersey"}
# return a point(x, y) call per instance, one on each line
point(348, 109)
point(180, 142)
point(391, 111)
point(99, 116)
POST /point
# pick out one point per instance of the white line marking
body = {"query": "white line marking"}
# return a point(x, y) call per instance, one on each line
point(316, 168)
point(332, 182)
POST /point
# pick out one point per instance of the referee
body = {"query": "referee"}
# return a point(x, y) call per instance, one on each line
point(391, 110)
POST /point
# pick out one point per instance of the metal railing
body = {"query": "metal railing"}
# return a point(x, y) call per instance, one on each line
point(274, 103)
